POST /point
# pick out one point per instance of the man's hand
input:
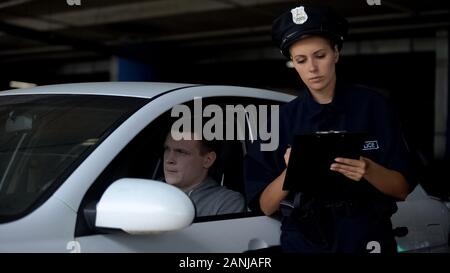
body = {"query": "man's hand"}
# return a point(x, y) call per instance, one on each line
point(351, 168)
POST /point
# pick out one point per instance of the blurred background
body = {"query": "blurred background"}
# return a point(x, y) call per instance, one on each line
point(398, 46)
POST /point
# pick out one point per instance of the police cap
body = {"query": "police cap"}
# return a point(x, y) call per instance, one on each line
point(292, 25)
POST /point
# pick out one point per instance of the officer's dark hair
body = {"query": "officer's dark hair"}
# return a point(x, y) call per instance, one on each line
point(334, 42)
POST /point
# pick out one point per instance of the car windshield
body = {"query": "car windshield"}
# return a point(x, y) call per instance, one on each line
point(43, 138)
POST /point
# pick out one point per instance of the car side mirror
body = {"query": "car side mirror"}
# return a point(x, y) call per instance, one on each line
point(140, 206)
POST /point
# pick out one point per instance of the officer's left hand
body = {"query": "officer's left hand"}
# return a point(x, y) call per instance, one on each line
point(351, 168)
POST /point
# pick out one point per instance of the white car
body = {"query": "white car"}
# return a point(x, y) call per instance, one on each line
point(80, 167)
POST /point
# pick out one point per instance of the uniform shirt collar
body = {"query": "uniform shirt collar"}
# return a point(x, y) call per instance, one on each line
point(315, 108)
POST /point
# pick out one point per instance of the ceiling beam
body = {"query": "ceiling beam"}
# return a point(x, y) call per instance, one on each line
point(265, 29)
point(12, 3)
point(129, 12)
point(55, 39)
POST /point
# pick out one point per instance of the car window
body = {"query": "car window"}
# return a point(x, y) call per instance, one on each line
point(142, 158)
point(44, 137)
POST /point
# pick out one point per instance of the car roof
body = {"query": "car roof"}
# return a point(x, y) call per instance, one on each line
point(141, 89)
point(144, 90)
point(128, 89)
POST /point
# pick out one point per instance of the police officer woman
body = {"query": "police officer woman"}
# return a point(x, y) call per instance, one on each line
point(312, 38)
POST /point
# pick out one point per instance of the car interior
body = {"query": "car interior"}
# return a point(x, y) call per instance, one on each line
point(142, 158)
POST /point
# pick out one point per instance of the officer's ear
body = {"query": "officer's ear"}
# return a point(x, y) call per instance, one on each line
point(336, 54)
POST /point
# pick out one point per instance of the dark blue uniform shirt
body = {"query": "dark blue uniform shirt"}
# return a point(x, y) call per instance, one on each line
point(353, 109)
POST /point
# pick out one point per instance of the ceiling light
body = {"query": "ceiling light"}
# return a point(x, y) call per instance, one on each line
point(16, 84)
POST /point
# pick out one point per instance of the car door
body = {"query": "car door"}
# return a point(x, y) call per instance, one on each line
point(141, 158)
point(427, 222)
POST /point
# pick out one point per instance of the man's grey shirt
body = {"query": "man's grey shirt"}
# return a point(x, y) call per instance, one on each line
point(210, 198)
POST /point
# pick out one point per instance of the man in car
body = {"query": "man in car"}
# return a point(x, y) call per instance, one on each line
point(186, 165)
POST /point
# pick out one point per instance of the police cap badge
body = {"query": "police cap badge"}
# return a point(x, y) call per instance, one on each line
point(292, 25)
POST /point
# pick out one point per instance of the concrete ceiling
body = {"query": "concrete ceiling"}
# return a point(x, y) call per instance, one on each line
point(161, 29)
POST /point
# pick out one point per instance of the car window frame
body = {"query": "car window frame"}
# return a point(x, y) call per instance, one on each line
point(84, 228)
point(137, 103)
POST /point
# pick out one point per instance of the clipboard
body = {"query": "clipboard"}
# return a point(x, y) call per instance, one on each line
point(310, 160)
